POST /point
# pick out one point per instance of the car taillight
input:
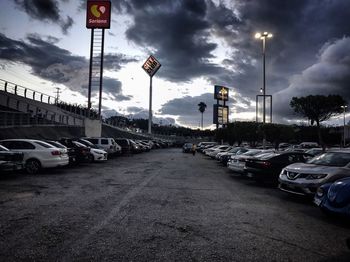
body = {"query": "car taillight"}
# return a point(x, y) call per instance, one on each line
point(56, 153)
point(266, 164)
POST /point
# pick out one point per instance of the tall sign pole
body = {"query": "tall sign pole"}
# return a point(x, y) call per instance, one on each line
point(150, 116)
point(151, 67)
point(98, 16)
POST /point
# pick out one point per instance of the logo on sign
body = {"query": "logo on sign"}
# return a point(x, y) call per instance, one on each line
point(97, 10)
point(221, 93)
point(98, 14)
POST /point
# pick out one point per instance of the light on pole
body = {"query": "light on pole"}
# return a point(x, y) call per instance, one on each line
point(344, 110)
point(263, 37)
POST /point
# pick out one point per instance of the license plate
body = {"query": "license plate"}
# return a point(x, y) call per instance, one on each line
point(317, 201)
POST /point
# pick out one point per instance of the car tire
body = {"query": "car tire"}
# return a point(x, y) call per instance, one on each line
point(32, 166)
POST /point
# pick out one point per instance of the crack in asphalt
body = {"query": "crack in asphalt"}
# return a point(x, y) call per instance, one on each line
point(78, 245)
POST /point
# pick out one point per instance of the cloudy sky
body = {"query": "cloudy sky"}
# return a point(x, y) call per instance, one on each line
point(44, 44)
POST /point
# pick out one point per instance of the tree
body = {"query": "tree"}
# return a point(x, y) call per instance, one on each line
point(202, 107)
point(318, 108)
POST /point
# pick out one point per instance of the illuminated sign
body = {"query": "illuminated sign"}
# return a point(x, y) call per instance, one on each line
point(220, 115)
point(221, 93)
point(98, 14)
point(151, 66)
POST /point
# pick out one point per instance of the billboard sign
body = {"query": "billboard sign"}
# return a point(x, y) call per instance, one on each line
point(151, 66)
point(220, 115)
point(221, 93)
point(98, 14)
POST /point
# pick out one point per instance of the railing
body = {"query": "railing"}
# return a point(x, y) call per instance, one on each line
point(48, 113)
point(19, 90)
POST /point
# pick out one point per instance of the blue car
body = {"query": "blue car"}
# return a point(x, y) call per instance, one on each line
point(334, 198)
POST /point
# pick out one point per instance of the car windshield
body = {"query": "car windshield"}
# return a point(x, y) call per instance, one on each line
point(79, 144)
point(234, 150)
point(331, 159)
point(56, 144)
point(87, 143)
point(43, 144)
point(252, 153)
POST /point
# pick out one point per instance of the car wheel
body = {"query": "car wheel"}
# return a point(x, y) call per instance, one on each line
point(91, 158)
point(32, 166)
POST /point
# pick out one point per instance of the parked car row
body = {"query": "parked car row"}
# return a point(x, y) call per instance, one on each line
point(322, 176)
point(32, 155)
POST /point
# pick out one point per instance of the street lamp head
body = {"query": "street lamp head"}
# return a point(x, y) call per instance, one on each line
point(263, 35)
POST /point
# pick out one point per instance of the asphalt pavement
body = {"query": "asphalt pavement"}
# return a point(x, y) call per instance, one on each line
point(160, 206)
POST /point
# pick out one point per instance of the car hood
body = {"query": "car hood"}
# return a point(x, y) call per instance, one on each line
point(311, 168)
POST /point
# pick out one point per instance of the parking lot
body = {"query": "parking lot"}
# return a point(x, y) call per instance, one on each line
point(161, 206)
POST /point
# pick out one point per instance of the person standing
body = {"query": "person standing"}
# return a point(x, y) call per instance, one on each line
point(193, 149)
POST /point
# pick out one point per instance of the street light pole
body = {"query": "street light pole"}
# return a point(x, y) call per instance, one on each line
point(344, 109)
point(263, 36)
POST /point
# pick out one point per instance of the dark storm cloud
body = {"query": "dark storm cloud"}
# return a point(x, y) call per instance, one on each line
point(113, 89)
point(46, 10)
point(329, 75)
point(58, 65)
point(113, 61)
point(178, 32)
point(300, 28)
point(186, 109)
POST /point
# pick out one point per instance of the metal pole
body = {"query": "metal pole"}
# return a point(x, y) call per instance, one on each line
point(264, 81)
point(101, 73)
point(202, 120)
point(344, 142)
point(264, 92)
point(256, 109)
point(90, 70)
point(150, 107)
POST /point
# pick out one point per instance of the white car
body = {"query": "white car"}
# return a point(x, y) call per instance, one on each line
point(212, 152)
point(37, 154)
point(96, 154)
point(305, 178)
point(237, 162)
point(105, 143)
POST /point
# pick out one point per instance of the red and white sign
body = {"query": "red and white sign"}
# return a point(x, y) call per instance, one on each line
point(151, 66)
point(98, 14)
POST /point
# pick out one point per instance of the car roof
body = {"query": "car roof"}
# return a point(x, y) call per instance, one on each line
point(23, 139)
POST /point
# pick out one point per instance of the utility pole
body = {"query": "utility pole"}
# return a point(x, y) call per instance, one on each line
point(58, 92)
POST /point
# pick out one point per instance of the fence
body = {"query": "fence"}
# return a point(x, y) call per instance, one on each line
point(12, 88)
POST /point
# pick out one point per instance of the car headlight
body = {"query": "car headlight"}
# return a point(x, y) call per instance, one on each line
point(283, 172)
point(315, 176)
point(320, 192)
